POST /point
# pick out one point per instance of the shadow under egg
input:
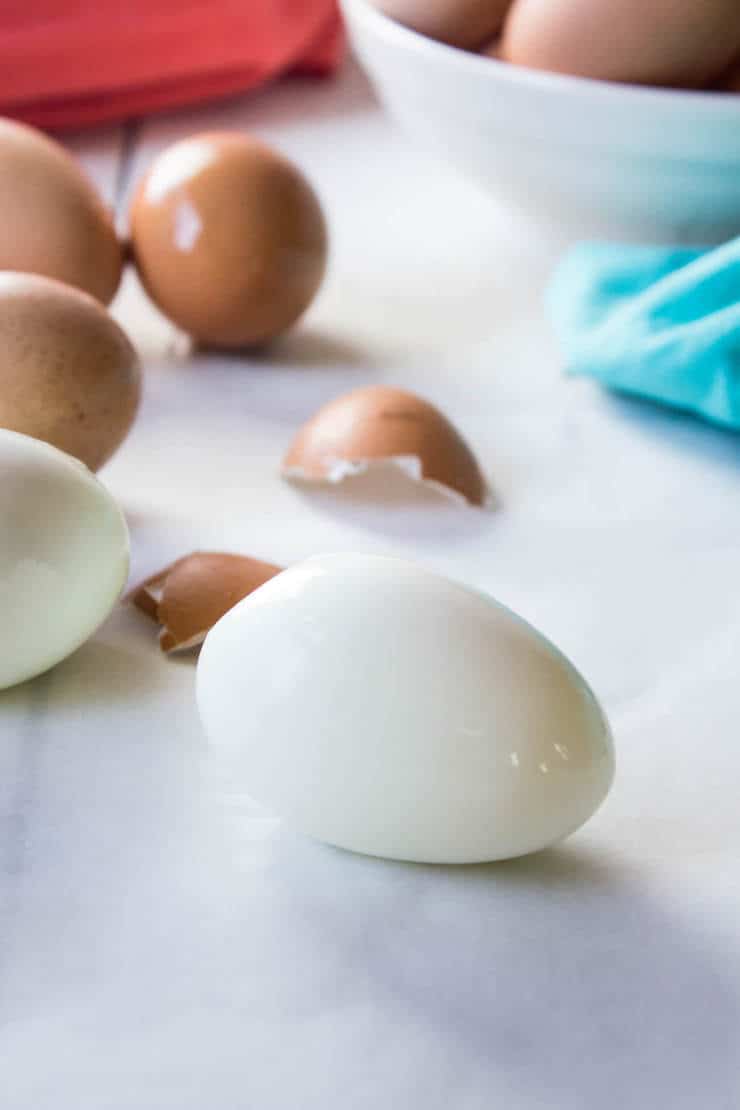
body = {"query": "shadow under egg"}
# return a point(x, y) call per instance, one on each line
point(386, 500)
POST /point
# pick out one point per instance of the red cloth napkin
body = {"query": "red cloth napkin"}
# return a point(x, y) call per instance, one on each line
point(70, 63)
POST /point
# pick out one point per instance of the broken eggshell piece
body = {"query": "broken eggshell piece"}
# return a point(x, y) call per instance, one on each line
point(384, 426)
point(188, 597)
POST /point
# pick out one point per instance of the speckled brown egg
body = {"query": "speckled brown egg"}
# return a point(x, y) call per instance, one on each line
point(53, 221)
point(465, 23)
point(384, 424)
point(229, 239)
point(68, 373)
point(658, 43)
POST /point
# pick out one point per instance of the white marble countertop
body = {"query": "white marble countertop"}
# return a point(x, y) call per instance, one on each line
point(164, 945)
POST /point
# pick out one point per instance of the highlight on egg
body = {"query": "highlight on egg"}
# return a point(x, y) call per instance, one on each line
point(188, 597)
point(229, 239)
point(384, 426)
point(54, 222)
point(68, 373)
point(396, 713)
point(64, 554)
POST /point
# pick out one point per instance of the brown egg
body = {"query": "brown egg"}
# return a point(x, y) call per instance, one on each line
point(53, 221)
point(190, 595)
point(68, 374)
point(380, 423)
point(730, 80)
point(658, 43)
point(465, 23)
point(229, 239)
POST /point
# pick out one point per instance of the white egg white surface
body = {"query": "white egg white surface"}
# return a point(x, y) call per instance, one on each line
point(387, 710)
point(64, 554)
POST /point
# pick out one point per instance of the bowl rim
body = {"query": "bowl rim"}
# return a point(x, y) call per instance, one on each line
point(397, 34)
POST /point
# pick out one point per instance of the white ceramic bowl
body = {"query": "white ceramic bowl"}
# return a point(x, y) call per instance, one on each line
point(594, 155)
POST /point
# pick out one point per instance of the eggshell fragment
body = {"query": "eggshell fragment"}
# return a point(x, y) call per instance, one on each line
point(465, 23)
point(229, 239)
point(68, 373)
point(63, 556)
point(388, 710)
point(53, 221)
point(188, 597)
point(381, 425)
point(660, 43)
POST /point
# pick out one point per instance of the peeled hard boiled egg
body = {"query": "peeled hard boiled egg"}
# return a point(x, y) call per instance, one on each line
point(466, 23)
point(229, 239)
point(63, 556)
point(53, 221)
point(68, 373)
point(390, 711)
point(657, 43)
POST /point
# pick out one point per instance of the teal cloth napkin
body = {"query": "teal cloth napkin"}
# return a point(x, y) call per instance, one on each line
point(663, 323)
